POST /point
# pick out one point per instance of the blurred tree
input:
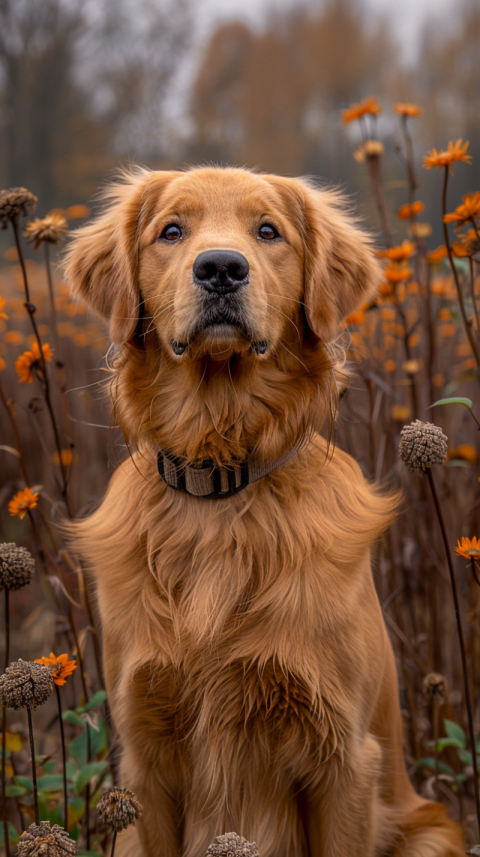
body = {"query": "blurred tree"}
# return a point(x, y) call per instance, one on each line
point(80, 84)
point(273, 98)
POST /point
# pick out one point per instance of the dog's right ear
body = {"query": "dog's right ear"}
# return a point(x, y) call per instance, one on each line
point(101, 263)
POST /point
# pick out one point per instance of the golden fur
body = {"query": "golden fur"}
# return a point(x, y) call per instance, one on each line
point(249, 673)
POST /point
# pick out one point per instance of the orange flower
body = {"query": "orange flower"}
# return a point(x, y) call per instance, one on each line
point(445, 158)
point(407, 110)
point(22, 502)
point(398, 254)
point(66, 457)
point(437, 255)
point(61, 667)
point(467, 211)
point(469, 548)
point(397, 275)
point(29, 359)
point(466, 452)
point(467, 246)
point(2, 304)
point(356, 111)
point(357, 317)
point(406, 211)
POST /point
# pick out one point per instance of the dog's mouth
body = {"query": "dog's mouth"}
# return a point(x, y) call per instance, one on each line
point(222, 324)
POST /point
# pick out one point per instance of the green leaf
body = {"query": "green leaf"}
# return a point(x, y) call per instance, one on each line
point(465, 757)
point(430, 763)
point(91, 771)
point(98, 742)
point(455, 400)
point(453, 730)
point(76, 810)
point(49, 766)
point(449, 742)
point(12, 834)
point(25, 782)
point(15, 791)
point(88, 853)
point(74, 718)
point(72, 770)
point(97, 699)
point(50, 783)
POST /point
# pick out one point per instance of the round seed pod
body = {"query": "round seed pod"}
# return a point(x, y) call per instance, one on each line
point(15, 201)
point(41, 840)
point(25, 683)
point(118, 808)
point(232, 845)
point(17, 566)
point(435, 688)
point(421, 445)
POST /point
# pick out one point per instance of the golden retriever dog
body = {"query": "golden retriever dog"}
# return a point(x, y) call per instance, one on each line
point(249, 672)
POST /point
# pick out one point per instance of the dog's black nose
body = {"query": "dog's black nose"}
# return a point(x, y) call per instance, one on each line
point(221, 270)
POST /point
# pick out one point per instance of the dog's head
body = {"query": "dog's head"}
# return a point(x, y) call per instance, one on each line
point(221, 266)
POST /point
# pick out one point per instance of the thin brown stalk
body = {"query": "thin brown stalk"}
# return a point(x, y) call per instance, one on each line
point(467, 324)
point(472, 293)
point(31, 309)
point(461, 640)
point(373, 162)
point(114, 840)
point(64, 759)
point(4, 727)
point(34, 769)
point(435, 741)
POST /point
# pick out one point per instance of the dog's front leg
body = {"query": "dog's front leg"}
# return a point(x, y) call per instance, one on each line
point(156, 786)
point(342, 814)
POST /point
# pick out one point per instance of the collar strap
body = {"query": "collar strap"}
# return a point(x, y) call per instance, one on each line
point(208, 480)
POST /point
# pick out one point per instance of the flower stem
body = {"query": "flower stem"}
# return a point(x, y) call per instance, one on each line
point(435, 740)
point(46, 385)
point(112, 852)
point(4, 728)
point(461, 640)
point(474, 570)
point(64, 760)
point(34, 770)
point(466, 321)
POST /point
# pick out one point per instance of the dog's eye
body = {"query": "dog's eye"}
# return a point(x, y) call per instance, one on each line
point(268, 232)
point(172, 232)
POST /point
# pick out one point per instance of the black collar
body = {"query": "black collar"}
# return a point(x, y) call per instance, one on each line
point(213, 482)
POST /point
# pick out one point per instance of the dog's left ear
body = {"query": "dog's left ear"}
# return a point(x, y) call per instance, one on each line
point(341, 270)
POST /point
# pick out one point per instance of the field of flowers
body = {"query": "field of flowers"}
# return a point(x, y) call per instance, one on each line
point(412, 354)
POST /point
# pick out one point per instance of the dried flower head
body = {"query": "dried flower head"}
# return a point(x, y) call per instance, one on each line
point(17, 566)
point(421, 445)
point(52, 228)
point(435, 688)
point(15, 201)
point(25, 683)
point(232, 845)
point(118, 808)
point(22, 502)
point(60, 666)
point(41, 840)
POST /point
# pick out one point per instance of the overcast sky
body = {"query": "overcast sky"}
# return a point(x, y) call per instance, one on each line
point(409, 17)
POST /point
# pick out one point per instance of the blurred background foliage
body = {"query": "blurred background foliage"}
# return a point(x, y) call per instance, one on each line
point(85, 85)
